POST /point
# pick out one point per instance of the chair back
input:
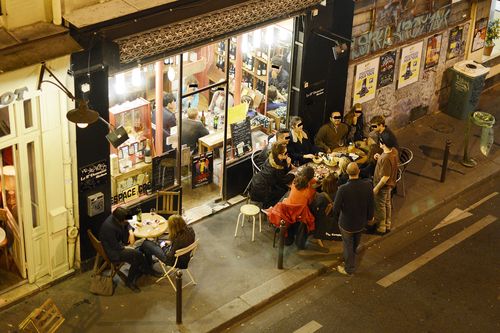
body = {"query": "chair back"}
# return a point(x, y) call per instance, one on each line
point(255, 167)
point(168, 202)
point(183, 263)
point(97, 246)
point(405, 157)
point(47, 318)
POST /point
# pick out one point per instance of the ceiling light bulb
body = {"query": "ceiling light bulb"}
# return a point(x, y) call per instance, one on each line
point(136, 77)
point(82, 125)
point(171, 73)
point(85, 87)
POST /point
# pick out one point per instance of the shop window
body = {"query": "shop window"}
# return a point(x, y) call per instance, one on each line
point(8, 181)
point(28, 113)
point(33, 181)
point(4, 121)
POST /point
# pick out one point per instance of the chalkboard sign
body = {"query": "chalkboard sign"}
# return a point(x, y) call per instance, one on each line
point(164, 170)
point(202, 169)
point(92, 175)
point(242, 137)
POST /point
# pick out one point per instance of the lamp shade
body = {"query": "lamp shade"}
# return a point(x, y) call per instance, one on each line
point(82, 114)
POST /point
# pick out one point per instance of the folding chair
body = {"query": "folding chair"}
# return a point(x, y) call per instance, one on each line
point(46, 319)
point(191, 249)
point(168, 203)
point(107, 264)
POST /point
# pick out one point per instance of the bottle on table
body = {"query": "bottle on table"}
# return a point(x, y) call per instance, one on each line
point(139, 214)
point(203, 119)
point(216, 121)
point(147, 153)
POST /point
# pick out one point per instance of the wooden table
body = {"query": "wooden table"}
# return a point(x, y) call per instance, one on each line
point(362, 155)
point(152, 226)
point(2, 235)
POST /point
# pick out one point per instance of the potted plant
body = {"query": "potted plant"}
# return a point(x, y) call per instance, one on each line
point(492, 33)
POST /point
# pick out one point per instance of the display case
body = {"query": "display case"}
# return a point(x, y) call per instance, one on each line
point(130, 175)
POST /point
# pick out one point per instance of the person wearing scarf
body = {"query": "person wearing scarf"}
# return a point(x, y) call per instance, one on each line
point(300, 148)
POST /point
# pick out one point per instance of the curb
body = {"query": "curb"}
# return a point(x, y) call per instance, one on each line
point(295, 277)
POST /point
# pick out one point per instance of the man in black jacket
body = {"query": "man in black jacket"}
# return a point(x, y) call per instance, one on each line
point(352, 209)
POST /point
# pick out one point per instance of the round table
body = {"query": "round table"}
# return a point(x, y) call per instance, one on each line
point(151, 226)
point(363, 157)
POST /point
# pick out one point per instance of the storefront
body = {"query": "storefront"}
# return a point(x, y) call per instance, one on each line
point(36, 198)
point(214, 113)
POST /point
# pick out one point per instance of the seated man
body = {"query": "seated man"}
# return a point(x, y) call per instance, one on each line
point(192, 130)
point(283, 136)
point(273, 99)
point(333, 134)
point(115, 234)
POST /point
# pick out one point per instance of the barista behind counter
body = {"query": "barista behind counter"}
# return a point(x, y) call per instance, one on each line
point(192, 130)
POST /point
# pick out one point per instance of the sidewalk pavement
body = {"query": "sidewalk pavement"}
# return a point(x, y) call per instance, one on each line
point(237, 276)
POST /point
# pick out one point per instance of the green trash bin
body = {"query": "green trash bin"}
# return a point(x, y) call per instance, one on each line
point(466, 86)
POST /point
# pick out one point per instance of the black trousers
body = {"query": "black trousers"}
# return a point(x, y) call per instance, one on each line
point(137, 263)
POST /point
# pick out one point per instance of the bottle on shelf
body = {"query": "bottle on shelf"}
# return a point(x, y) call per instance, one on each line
point(147, 181)
point(147, 153)
point(263, 70)
point(259, 69)
point(250, 63)
point(203, 119)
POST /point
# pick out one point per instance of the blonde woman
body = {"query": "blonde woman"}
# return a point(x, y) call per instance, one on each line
point(300, 148)
point(342, 171)
point(180, 236)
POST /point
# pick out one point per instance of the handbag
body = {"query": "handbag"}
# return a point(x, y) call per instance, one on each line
point(101, 285)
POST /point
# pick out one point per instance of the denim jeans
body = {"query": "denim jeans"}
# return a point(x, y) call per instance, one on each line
point(383, 209)
point(350, 242)
point(136, 261)
point(150, 249)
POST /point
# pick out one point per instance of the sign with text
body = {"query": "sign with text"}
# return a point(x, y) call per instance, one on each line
point(365, 81)
point(202, 169)
point(409, 67)
point(241, 137)
point(92, 175)
point(386, 68)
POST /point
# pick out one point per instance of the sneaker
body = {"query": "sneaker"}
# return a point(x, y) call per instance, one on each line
point(341, 270)
point(132, 286)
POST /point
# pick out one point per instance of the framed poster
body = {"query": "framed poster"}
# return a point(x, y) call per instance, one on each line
point(479, 34)
point(202, 169)
point(455, 43)
point(409, 67)
point(386, 68)
point(432, 51)
point(365, 81)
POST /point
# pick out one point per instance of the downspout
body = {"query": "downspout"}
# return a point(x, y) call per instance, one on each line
point(56, 12)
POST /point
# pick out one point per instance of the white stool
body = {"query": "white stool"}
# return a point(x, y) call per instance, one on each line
point(249, 210)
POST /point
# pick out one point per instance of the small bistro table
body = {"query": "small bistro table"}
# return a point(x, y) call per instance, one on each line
point(151, 226)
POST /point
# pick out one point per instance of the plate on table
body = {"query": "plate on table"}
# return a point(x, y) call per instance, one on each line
point(317, 159)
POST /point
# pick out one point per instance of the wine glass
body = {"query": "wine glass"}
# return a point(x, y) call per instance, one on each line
point(341, 143)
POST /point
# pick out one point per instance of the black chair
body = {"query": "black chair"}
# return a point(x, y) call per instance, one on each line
point(405, 157)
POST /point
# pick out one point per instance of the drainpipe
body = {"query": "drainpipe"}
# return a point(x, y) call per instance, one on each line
point(56, 12)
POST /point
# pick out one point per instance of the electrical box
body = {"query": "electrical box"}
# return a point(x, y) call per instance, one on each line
point(95, 204)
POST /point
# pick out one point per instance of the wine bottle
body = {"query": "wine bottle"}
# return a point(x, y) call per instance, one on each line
point(147, 153)
point(216, 121)
point(139, 214)
point(203, 118)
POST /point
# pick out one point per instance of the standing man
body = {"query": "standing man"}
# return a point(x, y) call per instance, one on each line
point(169, 110)
point(377, 127)
point(332, 134)
point(384, 180)
point(352, 209)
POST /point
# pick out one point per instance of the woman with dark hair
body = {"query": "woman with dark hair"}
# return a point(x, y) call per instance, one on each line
point(271, 183)
point(303, 190)
point(321, 207)
point(300, 148)
point(180, 236)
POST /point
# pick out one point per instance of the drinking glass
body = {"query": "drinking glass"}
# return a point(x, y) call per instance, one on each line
point(341, 143)
point(152, 211)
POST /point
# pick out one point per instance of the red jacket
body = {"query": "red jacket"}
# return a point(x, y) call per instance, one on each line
point(291, 213)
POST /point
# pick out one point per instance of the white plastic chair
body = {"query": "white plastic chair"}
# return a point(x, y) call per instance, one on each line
point(191, 249)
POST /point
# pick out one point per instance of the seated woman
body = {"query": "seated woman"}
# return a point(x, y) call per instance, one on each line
point(180, 236)
point(321, 207)
point(271, 183)
point(300, 148)
point(342, 171)
point(302, 191)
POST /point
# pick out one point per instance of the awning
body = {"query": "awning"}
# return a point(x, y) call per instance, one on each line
point(33, 44)
point(204, 28)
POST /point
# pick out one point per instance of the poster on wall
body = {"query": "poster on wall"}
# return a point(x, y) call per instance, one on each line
point(479, 34)
point(432, 51)
point(409, 68)
point(386, 69)
point(202, 169)
point(455, 43)
point(365, 81)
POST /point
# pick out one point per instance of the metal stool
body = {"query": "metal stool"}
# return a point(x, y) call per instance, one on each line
point(249, 210)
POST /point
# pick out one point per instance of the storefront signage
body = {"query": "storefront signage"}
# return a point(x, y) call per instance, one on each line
point(202, 169)
point(130, 193)
point(92, 175)
point(409, 68)
point(9, 97)
point(432, 51)
point(387, 64)
point(405, 30)
point(365, 81)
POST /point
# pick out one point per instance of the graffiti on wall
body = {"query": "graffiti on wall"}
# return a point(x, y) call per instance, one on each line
point(405, 30)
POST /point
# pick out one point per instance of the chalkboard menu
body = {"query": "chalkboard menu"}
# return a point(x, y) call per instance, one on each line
point(241, 136)
point(202, 169)
point(164, 170)
point(92, 175)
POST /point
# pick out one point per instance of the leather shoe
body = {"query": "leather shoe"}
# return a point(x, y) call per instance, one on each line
point(154, 273)
point(132, 286)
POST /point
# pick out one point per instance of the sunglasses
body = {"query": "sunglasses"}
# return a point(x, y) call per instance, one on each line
point(286, 138)
point(337, 117)
point(374, 126)
point(299, 124)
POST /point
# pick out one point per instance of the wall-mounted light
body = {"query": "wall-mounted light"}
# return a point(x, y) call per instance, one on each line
point(340, 43)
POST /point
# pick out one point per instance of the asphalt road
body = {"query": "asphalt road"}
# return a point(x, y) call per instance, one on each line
point(446, 280)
